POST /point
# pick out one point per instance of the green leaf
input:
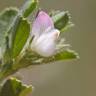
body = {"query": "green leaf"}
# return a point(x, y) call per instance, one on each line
point(61, 20)
point(62, 55)
point(8, 15)
point(6, 19)
point(14, 87)
point(20, 34)
point(66, 54)
point(29, 7)
point(26, 90)
point(31, 58)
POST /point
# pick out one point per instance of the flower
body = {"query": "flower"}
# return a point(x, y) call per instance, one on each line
point(45, 35)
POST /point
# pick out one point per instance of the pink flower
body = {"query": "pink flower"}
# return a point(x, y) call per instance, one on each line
point(45, 35)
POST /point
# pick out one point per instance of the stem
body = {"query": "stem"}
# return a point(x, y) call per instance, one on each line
point(9, 69)
point(23, 61)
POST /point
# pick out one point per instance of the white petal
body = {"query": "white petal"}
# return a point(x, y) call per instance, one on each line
point(45, 45)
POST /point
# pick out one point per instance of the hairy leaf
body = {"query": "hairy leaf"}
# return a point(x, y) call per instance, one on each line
point(20, 35)
point(6, 19)
point(62, 55)
point(66, 54)
point(29, 7)
point(61, 20)
point(14, 87)
point(31, 58)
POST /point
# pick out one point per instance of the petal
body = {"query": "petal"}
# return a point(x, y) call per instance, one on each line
point(41, 23)
point(45, 45)
point(46, 48)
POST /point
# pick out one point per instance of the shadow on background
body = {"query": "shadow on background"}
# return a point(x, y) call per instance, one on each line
point(70, 78)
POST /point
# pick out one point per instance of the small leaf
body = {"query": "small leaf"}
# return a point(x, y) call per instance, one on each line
point(14, 87)
point(61, 20)
point(31, 58)
point(62, 55)
point(29, 7)
point(66, 54)
point(7, 54)
point(26, 90)
point(20, 35)
point(6, 19)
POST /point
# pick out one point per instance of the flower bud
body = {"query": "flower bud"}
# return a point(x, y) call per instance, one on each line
point(45, 35)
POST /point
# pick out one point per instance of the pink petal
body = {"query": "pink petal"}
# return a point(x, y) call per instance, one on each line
point(41, 23)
